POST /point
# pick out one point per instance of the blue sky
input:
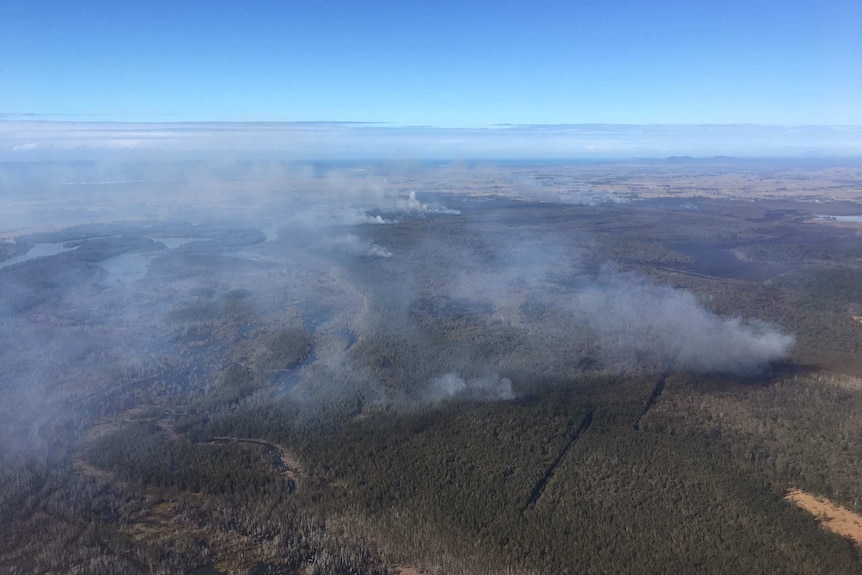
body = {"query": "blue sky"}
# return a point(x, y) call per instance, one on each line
point(445, 64)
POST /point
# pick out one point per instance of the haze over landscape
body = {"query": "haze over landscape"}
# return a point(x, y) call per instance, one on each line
point(482, 288)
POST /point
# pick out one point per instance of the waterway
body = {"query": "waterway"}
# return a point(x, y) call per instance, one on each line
point(38, 251)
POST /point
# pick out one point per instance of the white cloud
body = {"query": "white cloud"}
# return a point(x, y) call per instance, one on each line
point(332, 140)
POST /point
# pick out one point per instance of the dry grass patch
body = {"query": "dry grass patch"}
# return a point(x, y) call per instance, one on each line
point(832, 517)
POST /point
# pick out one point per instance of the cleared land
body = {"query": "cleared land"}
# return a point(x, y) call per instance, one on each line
point(832, 517)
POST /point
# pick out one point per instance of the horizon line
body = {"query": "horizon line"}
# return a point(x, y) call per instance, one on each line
point(33, 118)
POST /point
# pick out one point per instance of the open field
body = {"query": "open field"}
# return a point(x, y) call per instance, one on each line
point(833, 517)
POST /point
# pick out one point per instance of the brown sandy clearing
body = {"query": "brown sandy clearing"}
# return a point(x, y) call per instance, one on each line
point(832, 517)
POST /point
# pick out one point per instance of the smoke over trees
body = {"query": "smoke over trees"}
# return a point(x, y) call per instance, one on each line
point(444, 295)
point(185, 339)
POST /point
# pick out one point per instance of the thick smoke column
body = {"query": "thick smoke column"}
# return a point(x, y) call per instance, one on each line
point(638, 324)
point(578, 310)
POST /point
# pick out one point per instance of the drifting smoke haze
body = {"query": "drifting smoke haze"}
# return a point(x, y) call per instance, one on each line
point(638, 324)
point(451, 386)
point(412, 205)
point(168, 274)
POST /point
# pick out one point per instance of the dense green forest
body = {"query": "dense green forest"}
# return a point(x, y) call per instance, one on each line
point(482, 385)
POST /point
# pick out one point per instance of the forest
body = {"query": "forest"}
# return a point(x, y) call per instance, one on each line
point(339, 374)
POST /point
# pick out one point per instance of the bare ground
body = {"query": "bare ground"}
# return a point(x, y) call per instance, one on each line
point(832, 517)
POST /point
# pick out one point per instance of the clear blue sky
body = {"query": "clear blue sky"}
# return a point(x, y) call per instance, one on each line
point(444, 63)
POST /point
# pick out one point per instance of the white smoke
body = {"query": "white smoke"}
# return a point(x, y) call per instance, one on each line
point(358, 217)
point(411, 204)
point(450, 386)
point(621, 321)
point(378, 251)
point(355, 245)
point(639, 324)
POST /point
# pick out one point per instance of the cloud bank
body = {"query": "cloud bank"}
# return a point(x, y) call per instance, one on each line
point(344, 140)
